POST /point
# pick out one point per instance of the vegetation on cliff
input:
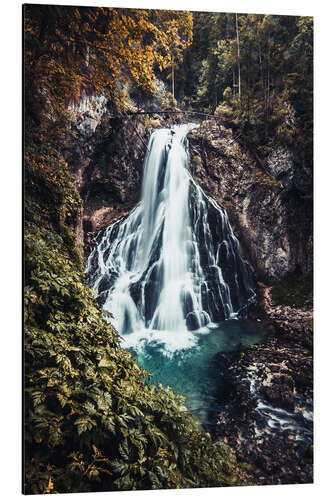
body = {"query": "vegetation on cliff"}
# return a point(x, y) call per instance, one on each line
point(92, 423)
point(294, 290)
point(98, 50)
point(255, 73)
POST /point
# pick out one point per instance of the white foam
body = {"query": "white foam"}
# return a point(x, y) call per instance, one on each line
point(308, 415)
point(170, 342)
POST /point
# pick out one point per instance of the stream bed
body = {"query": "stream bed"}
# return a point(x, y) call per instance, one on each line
point(190, 363)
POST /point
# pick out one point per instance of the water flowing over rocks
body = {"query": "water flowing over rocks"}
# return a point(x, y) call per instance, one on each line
point(267, 389)
point(266, 212)
point(267, 414)
point(106, 160)
point(173, 263)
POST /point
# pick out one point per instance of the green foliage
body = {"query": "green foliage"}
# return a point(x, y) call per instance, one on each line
point(168, 101)
point(92, 422)
point(294, 291)
point(225, 112)
point(274, 105)
point(71, 50)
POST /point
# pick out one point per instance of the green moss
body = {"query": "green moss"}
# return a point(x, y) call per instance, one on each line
point(294, 291)
point(264, 180)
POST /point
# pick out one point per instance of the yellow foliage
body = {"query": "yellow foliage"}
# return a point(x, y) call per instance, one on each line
point(68, 49)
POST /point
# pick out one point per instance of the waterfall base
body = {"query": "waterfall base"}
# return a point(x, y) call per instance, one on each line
point(186, 361)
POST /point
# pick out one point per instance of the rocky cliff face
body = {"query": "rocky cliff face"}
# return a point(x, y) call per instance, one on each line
point(271, 220)
point(268, 383)
point(106, 161)
point(267, 214)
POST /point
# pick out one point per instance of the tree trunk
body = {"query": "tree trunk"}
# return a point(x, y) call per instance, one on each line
point(238, 59)
point(233, 83)
point(268, 84)
point(173, 79)
point(260, 66)
point(248, 88)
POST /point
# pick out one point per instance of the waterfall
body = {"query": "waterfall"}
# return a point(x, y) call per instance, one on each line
point(173, 264)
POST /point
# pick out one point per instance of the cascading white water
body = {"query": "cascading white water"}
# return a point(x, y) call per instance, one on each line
point(173, 264)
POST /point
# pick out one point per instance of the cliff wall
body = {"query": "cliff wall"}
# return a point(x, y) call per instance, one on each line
point(267, 213)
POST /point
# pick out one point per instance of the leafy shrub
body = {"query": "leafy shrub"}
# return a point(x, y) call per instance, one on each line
point(225, 112)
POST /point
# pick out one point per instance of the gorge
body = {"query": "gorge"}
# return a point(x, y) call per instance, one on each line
point(172, 275)
point(174, 266)
point(168, 324)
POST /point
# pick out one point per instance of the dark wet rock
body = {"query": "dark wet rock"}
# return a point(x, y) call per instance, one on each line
point(195, 320)
point(102, 298)
point(275, 375)
point(279, 392)
point(105, 283)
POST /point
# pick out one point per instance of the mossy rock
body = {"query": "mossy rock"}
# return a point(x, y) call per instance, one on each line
point(266, 181)
point(293, 290)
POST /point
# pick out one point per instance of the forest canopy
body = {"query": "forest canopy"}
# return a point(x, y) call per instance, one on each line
point(253, 71)
point(69, 49)
point(256, 73)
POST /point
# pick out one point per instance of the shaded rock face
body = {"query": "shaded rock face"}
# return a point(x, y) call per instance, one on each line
point(280, 164)
point(267, 215)
point(87, 113)
point(271, 220)
point(106, 162)
point(114, 173)
point(113, 177)
point(106, 159)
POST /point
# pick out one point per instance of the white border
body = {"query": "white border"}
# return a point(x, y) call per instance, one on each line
point(11, 245)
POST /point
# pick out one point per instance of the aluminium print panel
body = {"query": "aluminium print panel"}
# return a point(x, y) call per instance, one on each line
point(168, 176)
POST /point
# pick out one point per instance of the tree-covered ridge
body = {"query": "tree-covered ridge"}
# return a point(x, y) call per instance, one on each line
point(256, 73)
point(92, 423)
